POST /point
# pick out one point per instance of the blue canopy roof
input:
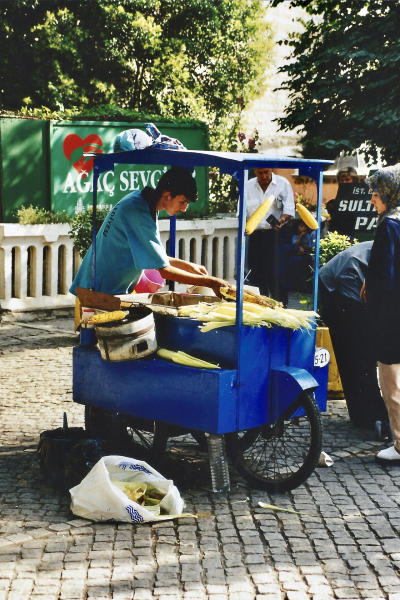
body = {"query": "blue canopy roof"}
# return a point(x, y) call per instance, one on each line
point(227, 162)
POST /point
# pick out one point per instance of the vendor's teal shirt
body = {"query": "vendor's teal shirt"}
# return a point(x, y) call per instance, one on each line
point(127, 243)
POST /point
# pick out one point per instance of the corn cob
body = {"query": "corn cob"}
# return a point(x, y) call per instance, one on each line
point(306, 216)
point(185, 359)
point(230, 292)
point(108, 317)
point(258, 214)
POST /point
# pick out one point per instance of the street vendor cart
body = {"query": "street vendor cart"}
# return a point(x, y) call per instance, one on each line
point(266, 398)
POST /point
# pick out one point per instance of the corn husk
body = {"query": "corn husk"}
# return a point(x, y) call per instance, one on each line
point(185, 359)
point(135, 490)
point(248, 296)
point(223, 314)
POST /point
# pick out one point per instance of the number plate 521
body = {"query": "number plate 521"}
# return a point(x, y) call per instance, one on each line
point(321, 357)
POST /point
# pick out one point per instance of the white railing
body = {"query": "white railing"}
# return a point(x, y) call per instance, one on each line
point(38, 262)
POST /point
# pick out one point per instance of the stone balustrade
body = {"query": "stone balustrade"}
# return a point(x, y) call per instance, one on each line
point(39, 262)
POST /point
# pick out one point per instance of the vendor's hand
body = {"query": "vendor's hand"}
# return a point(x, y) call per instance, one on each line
point(363, 293)
point(216, 284)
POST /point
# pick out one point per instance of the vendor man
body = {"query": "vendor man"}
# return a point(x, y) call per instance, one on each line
point(266, 252)
point(129, 240)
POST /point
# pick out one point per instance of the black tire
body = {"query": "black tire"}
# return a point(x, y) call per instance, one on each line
point(280, 456)
point(139, 438)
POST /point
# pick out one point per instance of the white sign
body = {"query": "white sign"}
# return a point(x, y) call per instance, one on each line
point(321, 357)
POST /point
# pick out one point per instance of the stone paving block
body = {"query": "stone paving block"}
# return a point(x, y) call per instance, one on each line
point(357, 502)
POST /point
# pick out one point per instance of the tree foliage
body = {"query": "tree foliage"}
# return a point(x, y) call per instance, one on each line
point(202, 59)
point(344, 80)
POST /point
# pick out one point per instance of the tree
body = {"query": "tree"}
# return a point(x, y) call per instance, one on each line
point(201, 59)
point(344, 79)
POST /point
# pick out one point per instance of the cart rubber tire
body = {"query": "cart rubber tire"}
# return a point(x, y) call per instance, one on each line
point(132, 436)
point(281, 456)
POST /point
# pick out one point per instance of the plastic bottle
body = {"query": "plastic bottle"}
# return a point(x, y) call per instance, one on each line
point(218, 463)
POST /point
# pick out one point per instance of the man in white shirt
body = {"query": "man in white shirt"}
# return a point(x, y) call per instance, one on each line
point(266, 252)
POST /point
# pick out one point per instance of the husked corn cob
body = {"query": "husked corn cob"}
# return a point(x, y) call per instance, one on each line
point(230, 292)
point(258, 214)
point(306, 216)
point(185, 359)
point(116, 315)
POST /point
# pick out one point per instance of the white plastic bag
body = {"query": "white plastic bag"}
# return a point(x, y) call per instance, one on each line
point(96, 498)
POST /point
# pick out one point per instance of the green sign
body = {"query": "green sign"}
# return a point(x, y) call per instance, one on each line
point(72, 172)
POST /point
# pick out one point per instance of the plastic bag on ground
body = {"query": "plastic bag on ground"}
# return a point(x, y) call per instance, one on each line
point(96, 498)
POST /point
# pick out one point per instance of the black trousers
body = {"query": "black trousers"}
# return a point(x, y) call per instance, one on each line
point(266, 262)
point(349, 323)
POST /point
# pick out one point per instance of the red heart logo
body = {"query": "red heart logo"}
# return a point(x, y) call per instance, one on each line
point(74, 147)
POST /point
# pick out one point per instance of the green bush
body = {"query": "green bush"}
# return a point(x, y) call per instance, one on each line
point(40, 216)
point(81, 228)
point(224, 193)
point(332, 244)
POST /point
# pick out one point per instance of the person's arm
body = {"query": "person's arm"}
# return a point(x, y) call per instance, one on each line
point(174, 273)
point(188, 266)
point(289, 207)
point(363, 293)
point(282, 220)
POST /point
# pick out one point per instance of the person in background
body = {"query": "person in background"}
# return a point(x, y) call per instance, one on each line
point(129, 240)
point(381, 291)
point(347, 175)
point(342, 222)
point(266, 251)
point(329, 206)
point(349, 322)
point(301, 240)
point(298, 258)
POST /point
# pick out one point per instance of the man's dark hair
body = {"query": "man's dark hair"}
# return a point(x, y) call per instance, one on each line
point(179, 182)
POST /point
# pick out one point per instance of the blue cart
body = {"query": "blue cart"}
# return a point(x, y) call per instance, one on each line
point(266, 398)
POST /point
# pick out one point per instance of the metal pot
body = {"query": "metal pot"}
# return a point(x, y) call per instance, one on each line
point(133, 337)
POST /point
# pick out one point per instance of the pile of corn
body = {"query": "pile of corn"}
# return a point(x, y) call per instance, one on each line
point(248, 296)
point(260, 311)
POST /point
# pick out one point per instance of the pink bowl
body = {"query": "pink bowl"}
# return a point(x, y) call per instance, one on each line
point(150, 282)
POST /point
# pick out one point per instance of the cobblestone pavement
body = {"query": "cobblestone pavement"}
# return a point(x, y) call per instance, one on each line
point(345, 547)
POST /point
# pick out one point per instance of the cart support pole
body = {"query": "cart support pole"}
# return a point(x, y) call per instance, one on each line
point(319, 183)
point(95, 179)
point(242, 178)
point(172, 246)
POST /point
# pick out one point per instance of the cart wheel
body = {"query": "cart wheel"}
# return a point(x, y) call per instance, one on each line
point(281, 456)
point(133, 436)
